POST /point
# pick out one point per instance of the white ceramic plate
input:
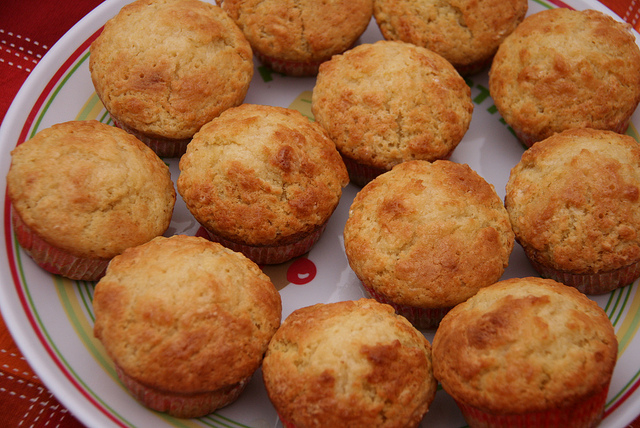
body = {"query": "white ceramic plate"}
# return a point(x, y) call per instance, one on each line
point(51, 318)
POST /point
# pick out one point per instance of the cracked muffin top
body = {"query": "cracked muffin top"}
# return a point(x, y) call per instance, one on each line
point(525, 345)
point(574, 201)
point(389, 102)
point(185, 315)
point(164, 68)
point(564, 69)
point(465, 32)
point(427, 234)
point(295, 36)
point(90, 189)
point(351, 363)
point(261, 175)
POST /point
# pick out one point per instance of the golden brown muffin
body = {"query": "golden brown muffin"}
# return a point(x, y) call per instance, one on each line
point(389, 102)
point(81, 192)
point(262, 180)
point(186, 322)
point(351, 363)
point(574, 203)
point(564, 69)
point(527, 352)
point(295, 36)
point(164, 68)
point(427, 236)
point(465, 32)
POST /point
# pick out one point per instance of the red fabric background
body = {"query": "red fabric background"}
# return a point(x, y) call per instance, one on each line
point(28, 28)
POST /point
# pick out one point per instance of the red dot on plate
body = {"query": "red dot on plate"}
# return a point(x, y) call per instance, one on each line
point(301, 271)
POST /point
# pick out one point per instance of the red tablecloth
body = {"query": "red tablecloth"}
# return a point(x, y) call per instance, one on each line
point(28, 28)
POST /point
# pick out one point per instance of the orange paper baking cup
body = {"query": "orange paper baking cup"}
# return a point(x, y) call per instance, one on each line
point(421, 318)
point(584, 414)
point(56, 260)
point(593, 283)
point(166, 148)
point(274, 254)
point(182, 405)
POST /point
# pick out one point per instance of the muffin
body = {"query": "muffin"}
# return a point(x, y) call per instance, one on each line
point(351, 363)
point(186, 322)
point(563, 69)
point(389, 102)
point(465, 32)
point(262, 180)
point(81, 192)
point(574, 204)
point(164, 68)
point(294, 37)
point(427, 236)
point(527, 352)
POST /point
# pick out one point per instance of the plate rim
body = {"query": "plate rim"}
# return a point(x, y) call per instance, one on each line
point(32, 94)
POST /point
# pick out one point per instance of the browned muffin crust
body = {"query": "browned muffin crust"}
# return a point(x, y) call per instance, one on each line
point(351, 363)
point(574, 201)
point(300, 30)
point(164, 68)
point(565, 69)
point(90, 189)
point(465, 32)
point(262, 175)
point(389, 102)
point(525, 345)
point(185, 315)
point(428, 234)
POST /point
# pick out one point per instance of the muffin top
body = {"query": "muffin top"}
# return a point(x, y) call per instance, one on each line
point(565, 69)
point(261, 175)
point(166, 67)
point(351, 363)
point(184, 314)
point(300, 30)
point(389, 102)
point(90, 189)
point(428, 234)
point(462, 31)
point(574, 201)
point(559, 338)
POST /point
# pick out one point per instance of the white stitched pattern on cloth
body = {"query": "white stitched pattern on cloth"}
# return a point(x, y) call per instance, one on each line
point(20, 52)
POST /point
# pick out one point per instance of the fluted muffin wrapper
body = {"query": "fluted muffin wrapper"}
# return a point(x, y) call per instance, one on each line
point(593, 283)
point(586, 413)
point(271, 254)
point(361, 174)
point(474, 67)
point(182, 405)
point(53, 259)
point(421, 318)
point(289, 68)
point(164, 148)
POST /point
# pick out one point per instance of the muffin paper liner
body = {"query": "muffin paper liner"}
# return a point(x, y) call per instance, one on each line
point(585, 414)
point(268, 255)
point(163, 148)
point(290, 68)
point(596, 283)
point(474, 67)
point(56, 260)
point(360, 174)
point(421, 318)
point(182, 405)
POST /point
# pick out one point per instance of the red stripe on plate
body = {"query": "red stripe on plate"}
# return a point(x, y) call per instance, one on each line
point(8, 231)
